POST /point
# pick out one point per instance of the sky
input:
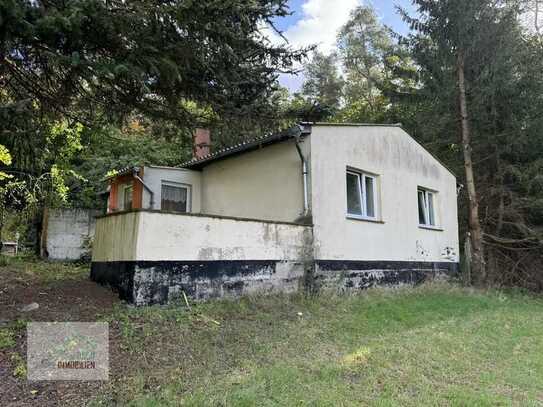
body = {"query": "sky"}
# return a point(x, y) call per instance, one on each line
point(317, 22)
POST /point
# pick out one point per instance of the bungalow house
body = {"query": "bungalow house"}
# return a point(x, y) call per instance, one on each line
point(343, 206)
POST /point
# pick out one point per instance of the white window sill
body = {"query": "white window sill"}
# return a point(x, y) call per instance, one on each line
point(431, 227)
point(364, 219)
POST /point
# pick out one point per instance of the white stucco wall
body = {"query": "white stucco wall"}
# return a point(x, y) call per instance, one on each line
point(185, 237)
point(401, 165)
point(263, 184)
point(154, 236)
point(153, 177)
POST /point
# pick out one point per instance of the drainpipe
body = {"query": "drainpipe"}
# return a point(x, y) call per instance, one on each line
point(135, 174)
point(304, 172)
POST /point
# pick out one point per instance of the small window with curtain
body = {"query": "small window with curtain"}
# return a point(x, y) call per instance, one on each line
point(426, 203)
point(361, 195)
point(175, 197)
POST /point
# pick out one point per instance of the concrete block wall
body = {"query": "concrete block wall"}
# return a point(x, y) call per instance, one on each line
point(68, 231)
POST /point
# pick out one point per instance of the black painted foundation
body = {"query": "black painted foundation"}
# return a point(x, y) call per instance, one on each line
point(160, 282)
point(345, 275)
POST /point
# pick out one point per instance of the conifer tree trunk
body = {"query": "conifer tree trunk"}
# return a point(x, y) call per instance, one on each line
point(476, 234)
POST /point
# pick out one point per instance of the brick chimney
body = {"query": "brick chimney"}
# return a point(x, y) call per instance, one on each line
point(201, 143)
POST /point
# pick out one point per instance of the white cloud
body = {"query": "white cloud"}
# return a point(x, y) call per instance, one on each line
point(319, 24)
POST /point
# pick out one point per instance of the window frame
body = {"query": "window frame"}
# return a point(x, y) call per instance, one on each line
point(174, 184)
point(361, 180)
point(429, 209)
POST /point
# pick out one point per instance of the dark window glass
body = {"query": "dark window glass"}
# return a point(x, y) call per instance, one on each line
point(426, 207)
point(354, 207)
point(127, 198)
point(422, 206)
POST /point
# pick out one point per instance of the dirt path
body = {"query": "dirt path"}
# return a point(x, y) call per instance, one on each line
point(74, 299)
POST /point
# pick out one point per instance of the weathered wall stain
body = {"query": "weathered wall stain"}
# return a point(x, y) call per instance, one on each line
point(401, 166)
point(360, 275)
point(146, 283)
point(422, 253)
point(449, 253)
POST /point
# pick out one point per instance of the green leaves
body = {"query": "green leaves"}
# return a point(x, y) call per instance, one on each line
point(5, 159)
point(323, 83)
point(165, 51)
point(5, 156)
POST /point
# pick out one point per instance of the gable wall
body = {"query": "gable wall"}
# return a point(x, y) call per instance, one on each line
point(402, 165)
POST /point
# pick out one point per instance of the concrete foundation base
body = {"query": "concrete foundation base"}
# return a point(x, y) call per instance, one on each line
point(358, 275)
point(155, 282)
point(161, 282)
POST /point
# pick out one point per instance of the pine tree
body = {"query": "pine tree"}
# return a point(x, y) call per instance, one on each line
point(477, 100)
point(175, 60)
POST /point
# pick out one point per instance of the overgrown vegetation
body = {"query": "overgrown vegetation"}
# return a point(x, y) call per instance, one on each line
point(432, 345)
point(6, 338)
point(31, 268)
point(436, 344)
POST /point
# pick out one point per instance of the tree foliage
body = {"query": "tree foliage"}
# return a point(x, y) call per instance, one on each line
point(503, 84)
point(95, 58)
point(90, 86)
point(374, 70)
point(323, 83)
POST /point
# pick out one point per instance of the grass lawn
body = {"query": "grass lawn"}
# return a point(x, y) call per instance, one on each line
point(431, 345)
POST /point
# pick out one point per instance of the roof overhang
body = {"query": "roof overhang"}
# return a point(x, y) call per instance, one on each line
point(124, 171)
point(250, 145)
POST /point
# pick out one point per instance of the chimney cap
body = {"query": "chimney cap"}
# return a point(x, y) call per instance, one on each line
point(201, 143)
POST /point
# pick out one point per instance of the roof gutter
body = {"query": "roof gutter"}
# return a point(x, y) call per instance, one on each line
point(305, 171)
point(135, 172)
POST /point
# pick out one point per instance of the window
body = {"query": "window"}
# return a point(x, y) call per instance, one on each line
point(427, 216)
point(127, 197)
point(175, 197)
point(361, 195)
